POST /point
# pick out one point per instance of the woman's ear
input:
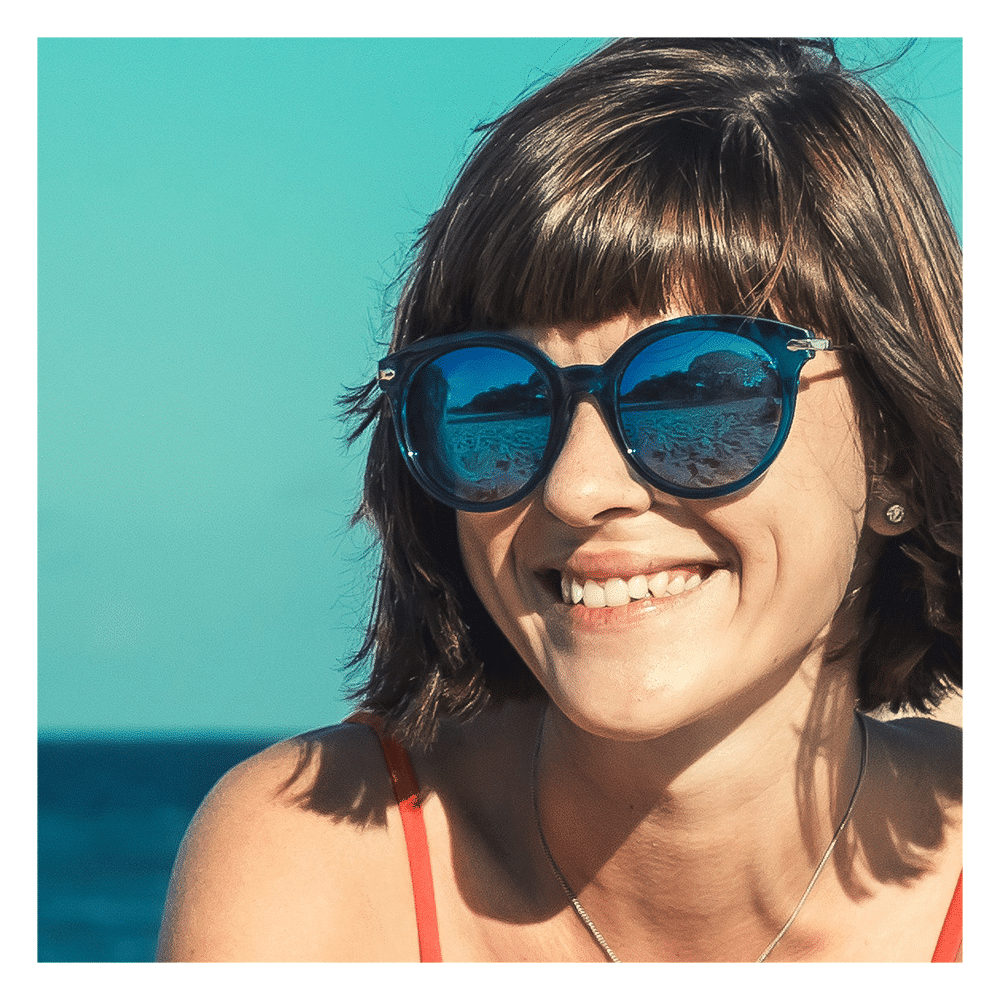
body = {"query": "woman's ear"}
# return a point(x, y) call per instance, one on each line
point(890, 511)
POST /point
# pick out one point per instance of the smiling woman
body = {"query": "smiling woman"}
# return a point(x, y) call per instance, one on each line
point(665, 469)
point(639, 668)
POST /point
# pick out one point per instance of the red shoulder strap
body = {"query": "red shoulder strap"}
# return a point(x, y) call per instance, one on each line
point(406, 790)
point(950, 940)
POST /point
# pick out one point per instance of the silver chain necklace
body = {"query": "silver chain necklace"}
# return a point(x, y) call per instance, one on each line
point(585, 917)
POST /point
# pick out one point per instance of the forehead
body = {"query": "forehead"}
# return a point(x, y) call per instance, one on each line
point(579, 343)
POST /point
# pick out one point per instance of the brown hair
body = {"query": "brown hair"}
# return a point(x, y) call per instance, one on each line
point(747, 176)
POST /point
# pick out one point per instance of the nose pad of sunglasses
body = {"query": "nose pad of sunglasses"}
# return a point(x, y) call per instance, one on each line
point(589, 473)
point(582, 380)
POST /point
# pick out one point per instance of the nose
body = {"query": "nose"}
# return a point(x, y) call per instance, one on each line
point(590, 480)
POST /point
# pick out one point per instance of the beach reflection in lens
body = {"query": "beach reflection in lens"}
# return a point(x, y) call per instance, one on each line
point(701, 409)
point(482, 423)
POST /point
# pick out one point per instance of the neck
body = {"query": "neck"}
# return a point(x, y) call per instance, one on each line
point(697, 845)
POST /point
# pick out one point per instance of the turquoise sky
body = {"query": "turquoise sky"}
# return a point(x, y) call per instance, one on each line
point(219, 222)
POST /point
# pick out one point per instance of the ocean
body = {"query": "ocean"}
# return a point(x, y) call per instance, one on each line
point(111, 815)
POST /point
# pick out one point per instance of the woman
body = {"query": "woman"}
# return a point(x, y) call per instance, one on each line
point(665, 468)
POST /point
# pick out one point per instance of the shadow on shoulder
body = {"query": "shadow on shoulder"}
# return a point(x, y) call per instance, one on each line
point(339, 771)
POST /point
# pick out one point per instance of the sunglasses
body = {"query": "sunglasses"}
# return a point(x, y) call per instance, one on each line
point(699, 406)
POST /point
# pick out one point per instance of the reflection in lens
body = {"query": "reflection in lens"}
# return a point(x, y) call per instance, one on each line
point(479, 420)
point(701, 409)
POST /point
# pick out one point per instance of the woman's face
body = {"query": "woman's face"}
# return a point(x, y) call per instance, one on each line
point(751, 583)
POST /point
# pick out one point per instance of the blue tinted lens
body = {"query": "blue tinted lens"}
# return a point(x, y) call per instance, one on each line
point(479, 419)
point(700, 409)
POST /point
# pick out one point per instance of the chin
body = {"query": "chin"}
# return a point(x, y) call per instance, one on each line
point(627, 711)
point(623, 701)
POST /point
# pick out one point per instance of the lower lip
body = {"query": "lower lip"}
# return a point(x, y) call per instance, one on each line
point(585, 619)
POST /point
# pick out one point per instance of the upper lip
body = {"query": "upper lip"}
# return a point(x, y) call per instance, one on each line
point(622, 565)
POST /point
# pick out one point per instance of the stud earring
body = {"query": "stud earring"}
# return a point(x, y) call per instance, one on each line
point(895, 513)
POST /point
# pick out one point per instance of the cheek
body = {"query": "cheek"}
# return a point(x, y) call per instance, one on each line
point(816, 491)
point(489, 546)
point(486, 542)
point(473, 546)
point(823, 461)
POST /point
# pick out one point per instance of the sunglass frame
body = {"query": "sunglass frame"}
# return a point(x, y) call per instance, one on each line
point(790, 347)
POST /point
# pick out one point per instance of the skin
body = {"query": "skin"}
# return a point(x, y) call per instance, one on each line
point(695, 753)
point(648, 669)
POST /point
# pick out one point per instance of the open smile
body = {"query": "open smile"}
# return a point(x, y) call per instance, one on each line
point(616, 592)
point(595, 589)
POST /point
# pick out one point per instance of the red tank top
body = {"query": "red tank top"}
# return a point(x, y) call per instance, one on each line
point(406, 789)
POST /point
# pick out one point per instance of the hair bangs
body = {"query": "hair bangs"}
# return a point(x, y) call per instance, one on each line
point(679, 213)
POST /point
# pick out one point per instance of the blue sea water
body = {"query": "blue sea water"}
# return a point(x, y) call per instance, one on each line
point(111, 815)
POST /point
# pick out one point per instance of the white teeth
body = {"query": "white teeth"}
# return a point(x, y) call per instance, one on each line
point(593, 595)
point(617, 592)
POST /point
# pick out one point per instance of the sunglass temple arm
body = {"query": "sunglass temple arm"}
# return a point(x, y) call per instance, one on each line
point(815, 344)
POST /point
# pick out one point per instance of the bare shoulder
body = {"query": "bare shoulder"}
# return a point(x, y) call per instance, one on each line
point(911, 825)
point(928, 751)
point(295, 855)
